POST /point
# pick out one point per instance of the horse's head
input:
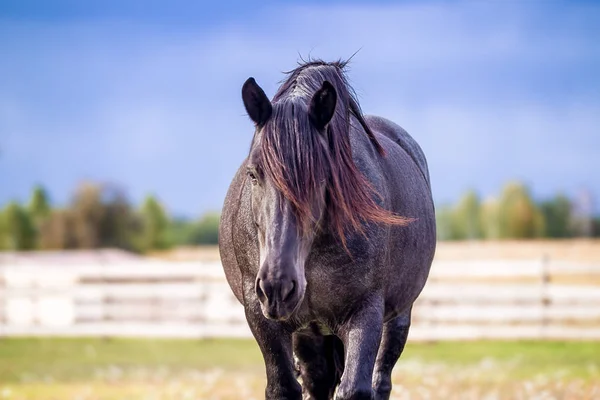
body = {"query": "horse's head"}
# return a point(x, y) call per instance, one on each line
point(303, 177)
point(287, 173)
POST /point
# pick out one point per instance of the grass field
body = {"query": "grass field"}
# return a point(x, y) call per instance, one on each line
point(86, 369)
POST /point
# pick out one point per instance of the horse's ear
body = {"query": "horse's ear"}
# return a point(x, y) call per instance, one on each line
point(257, 103)
point(322, 105)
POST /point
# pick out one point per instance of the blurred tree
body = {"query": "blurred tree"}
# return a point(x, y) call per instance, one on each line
point(445, 223)
point(56, 231)
point(39, 205)
point(179, 232)
point(490, 219)
point(99, 216)
point(87, 213)
point(581, 222)
point(596, 224)
point(557, 213)
point(467, 217)
point(39, 210)
point(519, 217)
point(17, 229)
point(206, 230)
point(155, 223)
point(4, 234)
point(120, 227)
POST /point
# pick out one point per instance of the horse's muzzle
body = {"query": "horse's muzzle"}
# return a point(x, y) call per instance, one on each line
point(278, 298)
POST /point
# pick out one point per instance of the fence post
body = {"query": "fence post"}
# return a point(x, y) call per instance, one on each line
point(105, 299)
point(545, 297)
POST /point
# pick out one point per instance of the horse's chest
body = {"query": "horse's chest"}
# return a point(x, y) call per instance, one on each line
point(333, 292)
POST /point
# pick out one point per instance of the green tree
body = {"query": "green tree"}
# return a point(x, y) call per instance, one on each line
point(39, 205)
point(206, 230)
point(87, 213)
point(467, 217)
point(155, 223)
point(557, 213)
point(179, 232)
point(98, 216)
point(445, 223)
point(57, 231)
point(582, 214)
point(39, 210)
point(120, 226)
point(18, 232)
point(519, 217)
point(490, 219)
point(4, 235)
point(596, 224)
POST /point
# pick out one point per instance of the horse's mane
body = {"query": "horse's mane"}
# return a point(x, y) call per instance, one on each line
point(308, 78)
point(298, 158)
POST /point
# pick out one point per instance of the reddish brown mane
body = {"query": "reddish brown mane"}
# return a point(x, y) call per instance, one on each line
point(298, 159)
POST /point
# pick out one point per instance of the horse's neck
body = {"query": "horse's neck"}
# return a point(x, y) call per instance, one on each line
point(362, 147)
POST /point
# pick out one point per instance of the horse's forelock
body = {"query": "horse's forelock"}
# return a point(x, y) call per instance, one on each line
point(294, 156)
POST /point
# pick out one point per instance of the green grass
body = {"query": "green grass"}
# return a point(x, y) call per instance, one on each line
point(69, 360)
point(524, 358)
point(137, 369)
point(80, 359)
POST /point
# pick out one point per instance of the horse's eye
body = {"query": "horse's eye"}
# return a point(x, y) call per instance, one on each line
point(253, 177)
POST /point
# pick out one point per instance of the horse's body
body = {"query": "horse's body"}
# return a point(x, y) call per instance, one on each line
point(350, 324)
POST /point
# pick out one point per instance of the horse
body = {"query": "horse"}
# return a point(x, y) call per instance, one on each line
point(326, 237)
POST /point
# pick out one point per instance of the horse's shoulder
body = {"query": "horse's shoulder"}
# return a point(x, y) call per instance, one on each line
point(230, 231)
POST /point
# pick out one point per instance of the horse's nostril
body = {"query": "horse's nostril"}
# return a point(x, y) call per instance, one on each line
point(260, 290)
point(268, 292)
point(288, 290)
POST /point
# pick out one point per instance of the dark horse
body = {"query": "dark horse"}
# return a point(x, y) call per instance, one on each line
point(327, 236)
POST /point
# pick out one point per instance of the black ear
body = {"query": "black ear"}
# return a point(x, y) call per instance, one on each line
point(322, 105)
point(256, 102)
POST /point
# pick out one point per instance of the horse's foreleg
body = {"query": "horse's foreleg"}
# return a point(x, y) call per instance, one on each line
point(320, 361)
point(275, 343)
point(393, 339)
point(361, 336)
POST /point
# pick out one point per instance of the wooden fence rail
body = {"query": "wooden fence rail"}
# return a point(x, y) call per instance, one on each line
point(516, 299)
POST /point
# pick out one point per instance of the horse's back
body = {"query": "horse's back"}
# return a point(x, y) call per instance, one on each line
point(399, 136)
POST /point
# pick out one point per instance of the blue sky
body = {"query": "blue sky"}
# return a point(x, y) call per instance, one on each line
point(146, 94)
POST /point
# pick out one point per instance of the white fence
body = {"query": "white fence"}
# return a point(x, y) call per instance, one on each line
point(140, 297)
